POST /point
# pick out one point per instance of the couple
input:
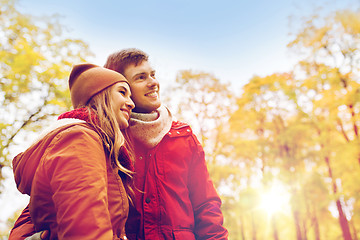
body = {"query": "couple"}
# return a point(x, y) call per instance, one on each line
point(80, 175)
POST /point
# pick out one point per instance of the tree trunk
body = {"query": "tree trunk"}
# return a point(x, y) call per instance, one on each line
point(253, 228)
point(297, 225)
point(354, 230)
point(274, 227)
point(304, 232)
point(342, 218)
point(343, 222)
point(242, 227)
point(315, 222)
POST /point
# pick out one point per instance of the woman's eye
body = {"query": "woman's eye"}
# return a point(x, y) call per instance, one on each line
point(122, 92)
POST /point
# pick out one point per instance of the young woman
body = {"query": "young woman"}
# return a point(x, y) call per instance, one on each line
point(78, 174)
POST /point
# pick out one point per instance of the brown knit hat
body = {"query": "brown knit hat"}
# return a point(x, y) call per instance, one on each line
point(86, 80)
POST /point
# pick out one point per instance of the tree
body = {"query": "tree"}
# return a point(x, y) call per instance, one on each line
point(206, 103)
point(330, 71)
point(268, 115)
point(306, 122)
point(35, 61)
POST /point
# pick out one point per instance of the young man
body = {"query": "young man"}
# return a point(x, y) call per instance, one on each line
point(176, 197)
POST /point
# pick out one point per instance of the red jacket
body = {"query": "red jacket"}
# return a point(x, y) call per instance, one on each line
point(179, 200)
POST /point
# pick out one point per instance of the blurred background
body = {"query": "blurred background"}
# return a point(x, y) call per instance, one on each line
point(271, 89)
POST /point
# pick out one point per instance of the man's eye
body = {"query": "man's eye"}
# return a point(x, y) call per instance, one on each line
point(122, 92)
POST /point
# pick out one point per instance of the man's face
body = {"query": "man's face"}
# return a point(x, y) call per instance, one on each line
point(144, 87)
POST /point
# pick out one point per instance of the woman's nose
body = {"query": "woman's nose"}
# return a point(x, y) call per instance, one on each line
point(130, 104)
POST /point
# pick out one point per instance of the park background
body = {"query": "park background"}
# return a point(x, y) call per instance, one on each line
point(271, 89)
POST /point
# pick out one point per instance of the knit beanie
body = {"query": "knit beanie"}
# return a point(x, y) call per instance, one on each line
point(86, 80)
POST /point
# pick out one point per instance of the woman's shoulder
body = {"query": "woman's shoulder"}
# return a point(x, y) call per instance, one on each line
point(59, 126)
point(78, 130)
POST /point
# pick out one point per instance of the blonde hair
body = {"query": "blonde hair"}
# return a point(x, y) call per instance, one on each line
point(111, 134)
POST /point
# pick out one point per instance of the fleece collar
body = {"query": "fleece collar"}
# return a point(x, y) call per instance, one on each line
point(150, 128)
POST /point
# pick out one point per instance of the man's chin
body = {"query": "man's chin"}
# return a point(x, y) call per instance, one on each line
point(147, 109)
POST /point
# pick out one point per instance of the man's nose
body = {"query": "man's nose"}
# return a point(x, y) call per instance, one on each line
point(152, 81)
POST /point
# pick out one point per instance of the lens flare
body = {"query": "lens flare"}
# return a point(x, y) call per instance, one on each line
point(274, 200)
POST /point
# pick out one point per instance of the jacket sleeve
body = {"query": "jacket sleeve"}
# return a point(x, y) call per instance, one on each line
point(205, 200)
point(76, 169)
point(23, 226)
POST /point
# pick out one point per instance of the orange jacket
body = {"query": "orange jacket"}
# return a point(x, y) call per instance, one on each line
point(74, 191)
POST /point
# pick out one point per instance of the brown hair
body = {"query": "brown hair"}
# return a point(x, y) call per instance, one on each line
point(111, 134)
point(120, 60)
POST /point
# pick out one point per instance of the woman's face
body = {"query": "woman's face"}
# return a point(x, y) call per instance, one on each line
point(121, 103)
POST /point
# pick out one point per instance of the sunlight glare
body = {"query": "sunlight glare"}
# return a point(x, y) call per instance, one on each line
point(276, 199)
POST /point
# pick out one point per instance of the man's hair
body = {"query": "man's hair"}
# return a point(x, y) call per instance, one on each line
point(120, 60)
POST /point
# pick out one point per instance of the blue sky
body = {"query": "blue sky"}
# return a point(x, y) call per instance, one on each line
point(232, 39)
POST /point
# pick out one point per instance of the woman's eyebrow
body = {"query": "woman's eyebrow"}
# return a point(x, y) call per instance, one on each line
point(127, 90)
point(122, 87)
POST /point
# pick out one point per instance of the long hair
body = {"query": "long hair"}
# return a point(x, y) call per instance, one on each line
point(111, 134)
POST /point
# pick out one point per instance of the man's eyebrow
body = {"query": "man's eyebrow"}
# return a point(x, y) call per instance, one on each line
point(138, 74)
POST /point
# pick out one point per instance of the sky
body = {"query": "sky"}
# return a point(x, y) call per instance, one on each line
point(233, 40)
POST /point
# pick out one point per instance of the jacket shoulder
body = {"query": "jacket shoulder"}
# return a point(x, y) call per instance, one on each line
point(81, 127)
point(75, 129)
point(29, 160)
point(179, 128)
point(179, 124)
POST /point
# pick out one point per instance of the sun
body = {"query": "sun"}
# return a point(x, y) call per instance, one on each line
point(275, 199)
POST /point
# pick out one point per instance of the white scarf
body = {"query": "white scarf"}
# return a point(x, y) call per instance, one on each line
point(150, 128)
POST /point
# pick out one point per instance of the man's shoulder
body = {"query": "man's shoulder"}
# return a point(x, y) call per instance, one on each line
point(179, 128)
point(179, 124)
